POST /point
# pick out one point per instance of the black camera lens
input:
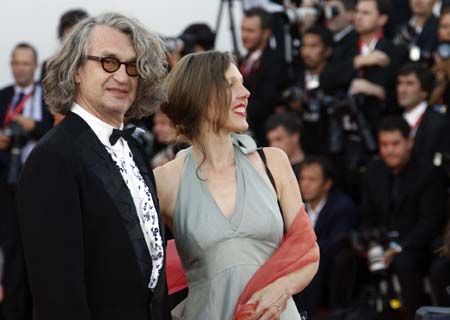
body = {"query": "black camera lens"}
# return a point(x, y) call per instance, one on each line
point(443, 50)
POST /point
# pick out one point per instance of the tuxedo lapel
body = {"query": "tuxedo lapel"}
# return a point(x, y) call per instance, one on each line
point(147, 174)
point(99, 163)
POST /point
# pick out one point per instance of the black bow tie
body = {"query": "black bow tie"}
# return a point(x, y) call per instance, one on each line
point(116, 134)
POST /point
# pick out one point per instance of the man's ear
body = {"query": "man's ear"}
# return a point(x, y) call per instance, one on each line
point(383, 20)
point(77, 76)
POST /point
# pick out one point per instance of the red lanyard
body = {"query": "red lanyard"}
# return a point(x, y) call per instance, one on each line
point(10, 115)
point(379, 36)
point(416, 125)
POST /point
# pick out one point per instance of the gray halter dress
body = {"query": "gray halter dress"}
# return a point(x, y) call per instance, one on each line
point(219, 255)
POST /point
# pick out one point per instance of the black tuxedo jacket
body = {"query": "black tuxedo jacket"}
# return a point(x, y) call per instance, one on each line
point(422, 207)
point(338, 217)
point(85, 253)
point(433, 135)
point(267, 77)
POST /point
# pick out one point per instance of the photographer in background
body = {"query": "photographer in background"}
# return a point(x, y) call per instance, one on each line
point(305, 95)
point(418, 35)
point(332, 214)
point(24, 118)
point(197, 37)
point(429, 128)
point(404, 195)
point(283, 131)
point(263, 70)
point(441, 67)
point(341, 24)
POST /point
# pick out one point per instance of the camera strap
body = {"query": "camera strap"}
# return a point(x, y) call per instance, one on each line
point(12, 112)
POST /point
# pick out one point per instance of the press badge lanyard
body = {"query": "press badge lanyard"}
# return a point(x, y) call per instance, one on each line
point(10, 113)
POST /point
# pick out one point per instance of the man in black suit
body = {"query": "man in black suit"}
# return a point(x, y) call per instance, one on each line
point(263, 70)
point(333, 215)
point(403, 195)
point(88, 211)
point(341, 23)
point(24, 118)
point(419, 35)
point(430, 128)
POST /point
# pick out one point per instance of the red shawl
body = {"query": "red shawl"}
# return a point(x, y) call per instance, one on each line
point(176, 280)
point(295, 252)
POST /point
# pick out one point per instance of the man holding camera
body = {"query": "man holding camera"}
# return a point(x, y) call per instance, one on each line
point(404, 196)
point(24, 118)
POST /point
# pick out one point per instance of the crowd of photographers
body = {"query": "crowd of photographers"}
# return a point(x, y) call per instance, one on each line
point(357, 93)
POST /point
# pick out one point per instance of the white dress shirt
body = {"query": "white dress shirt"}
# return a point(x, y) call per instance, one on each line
point(314, 213)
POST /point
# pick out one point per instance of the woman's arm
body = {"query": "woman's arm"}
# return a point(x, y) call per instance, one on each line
point(272, 299)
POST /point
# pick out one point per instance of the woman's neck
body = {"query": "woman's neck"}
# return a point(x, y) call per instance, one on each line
point(218, 150)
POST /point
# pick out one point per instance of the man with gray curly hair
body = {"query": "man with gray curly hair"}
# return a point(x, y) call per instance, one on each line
point(89, 216)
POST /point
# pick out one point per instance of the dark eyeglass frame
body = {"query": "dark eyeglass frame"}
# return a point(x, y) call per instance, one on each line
point(103, 60)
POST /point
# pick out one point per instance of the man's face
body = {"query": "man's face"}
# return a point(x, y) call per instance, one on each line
point(342, 20)
point(422, 7)
point(409, 91)
point(23, 65)
point(280, 138)
point(253, 36)
point(367, 17)
point(313, 187)
point(107, 95)
point(313, 51)
point(394, 149)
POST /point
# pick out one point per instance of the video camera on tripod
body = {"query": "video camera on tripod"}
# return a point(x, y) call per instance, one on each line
point(342, 111)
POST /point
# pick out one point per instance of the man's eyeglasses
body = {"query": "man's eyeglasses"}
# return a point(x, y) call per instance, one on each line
point(111, 65)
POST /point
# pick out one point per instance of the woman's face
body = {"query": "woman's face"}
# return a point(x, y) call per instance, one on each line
point(444, 28)
point(237, 114)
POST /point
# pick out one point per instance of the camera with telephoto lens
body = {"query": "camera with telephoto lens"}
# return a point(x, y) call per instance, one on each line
point(17, 135)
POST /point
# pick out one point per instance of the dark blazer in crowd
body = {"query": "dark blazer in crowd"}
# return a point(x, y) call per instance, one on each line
point(426, 40)
point(85, 251)
point(346, 42)
point(433, 135)
point(338, 217)
point(16, 302)
point(420, 209)
point(267, 77)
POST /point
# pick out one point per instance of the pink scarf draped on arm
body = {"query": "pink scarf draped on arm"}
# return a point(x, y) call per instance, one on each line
point(295, 252)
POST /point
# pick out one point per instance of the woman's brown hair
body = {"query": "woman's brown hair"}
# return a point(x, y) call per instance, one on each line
point(197, 90)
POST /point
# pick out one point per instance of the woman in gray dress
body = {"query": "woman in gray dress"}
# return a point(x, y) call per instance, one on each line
point(218, 199)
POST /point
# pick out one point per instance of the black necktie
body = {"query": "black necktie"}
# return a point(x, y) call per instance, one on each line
point(19, 99)
point(116, 134)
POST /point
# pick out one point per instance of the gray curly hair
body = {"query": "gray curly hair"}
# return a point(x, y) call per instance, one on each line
point(59, 83)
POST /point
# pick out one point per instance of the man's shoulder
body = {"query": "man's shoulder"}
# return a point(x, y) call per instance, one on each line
point(6, 91)
point(435, 116)
point(340, 200)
